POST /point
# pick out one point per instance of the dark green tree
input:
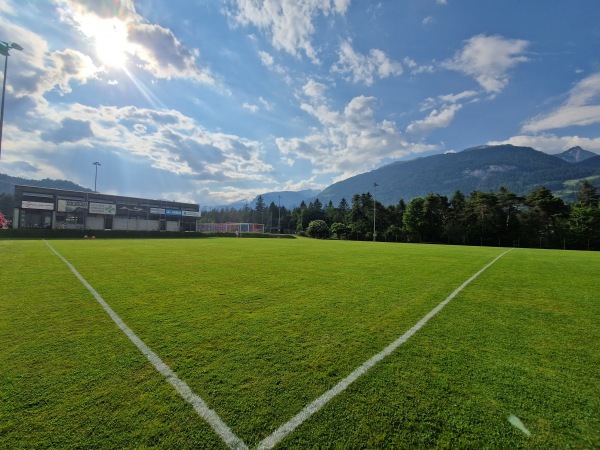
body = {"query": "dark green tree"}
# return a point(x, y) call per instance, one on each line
point(584, 220)
point(587, 194)
point(509, 203)
point(545, 215)
point(361, 214)
point(483, 218)
point(456, 226)
point(436, 212)
point(414, 221)
point(318, 229)
point(340, 230)
point(342, 211)
point(584, 224)
point(260, 210)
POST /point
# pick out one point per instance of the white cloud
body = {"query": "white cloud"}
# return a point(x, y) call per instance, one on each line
point(7, 8)
point(250, 107)
point(166, 140)
point(350, 141)
point(581, 108)
point(428, 20)
point(155, 48)
point(488, 59)
point(415, 68)
point(309, 183)
point(269, 62)
point(266, 58)
point(443, 110)
point(266, 104)
point(454, 98)
point(364, 68)
point(36, 71)
point(436, 119)
point(552, 144)
point(289, 22)
point(314, 89)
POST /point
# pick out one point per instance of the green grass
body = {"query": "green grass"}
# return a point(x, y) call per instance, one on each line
point(259, 328)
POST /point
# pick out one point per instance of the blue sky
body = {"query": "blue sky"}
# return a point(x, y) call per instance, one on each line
point(216, 101)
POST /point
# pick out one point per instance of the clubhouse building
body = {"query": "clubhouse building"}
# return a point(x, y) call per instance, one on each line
point(57, 209)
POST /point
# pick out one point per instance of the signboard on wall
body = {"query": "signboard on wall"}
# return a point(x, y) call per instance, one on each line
point(172, 212)
point(191, 213)
point(37, 205)
point(103, 208)
point(160, 211)
point(71, 206)
point(129, 210)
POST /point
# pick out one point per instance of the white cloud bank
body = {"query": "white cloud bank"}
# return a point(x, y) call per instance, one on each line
point(552, 144)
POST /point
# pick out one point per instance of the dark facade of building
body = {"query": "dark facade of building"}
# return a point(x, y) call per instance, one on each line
point(37, 207)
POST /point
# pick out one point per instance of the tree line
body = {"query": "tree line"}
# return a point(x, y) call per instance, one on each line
point(538, 219)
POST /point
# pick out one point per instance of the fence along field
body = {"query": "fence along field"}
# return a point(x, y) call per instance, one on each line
point(260, 328)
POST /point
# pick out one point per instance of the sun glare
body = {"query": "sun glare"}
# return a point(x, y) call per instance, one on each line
point(110, 37)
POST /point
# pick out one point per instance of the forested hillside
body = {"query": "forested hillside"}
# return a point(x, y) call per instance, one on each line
point(7, 184)
point(518, 169)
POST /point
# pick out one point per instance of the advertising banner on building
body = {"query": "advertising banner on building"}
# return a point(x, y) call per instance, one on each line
point(159, 211)
point(131, 210)
point(191, 213)
point(38, 205)
point(72, 206)
point(172, 212)
point(103, 208)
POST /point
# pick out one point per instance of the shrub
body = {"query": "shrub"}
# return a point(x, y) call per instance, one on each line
point(318, 229)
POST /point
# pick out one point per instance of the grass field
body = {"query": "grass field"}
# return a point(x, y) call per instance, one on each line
point(259, 328)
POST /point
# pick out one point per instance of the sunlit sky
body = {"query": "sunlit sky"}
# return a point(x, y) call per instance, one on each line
point(216, 101)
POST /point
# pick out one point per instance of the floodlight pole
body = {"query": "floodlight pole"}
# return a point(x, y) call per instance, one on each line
point(96, 176)
point(374, 211)
point(4, 48)
point(279, 219)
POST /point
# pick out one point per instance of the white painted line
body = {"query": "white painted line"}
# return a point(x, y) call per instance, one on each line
point(284, 430)
point(516, 422)
point(180, 386)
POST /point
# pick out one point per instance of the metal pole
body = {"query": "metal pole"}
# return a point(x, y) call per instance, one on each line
point(3, 93)
point(5, 48)
point(96, 176)
point(279, 220)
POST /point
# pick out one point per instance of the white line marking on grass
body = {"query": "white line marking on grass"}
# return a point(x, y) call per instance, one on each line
point(180, 386)
point(284, 430)
point(516, 422)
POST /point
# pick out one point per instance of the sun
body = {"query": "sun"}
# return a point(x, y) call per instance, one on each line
point(110, 38)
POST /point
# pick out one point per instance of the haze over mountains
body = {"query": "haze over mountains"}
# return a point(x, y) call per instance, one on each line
point(484, 168)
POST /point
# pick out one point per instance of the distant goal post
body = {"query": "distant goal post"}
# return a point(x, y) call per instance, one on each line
point(231, 227)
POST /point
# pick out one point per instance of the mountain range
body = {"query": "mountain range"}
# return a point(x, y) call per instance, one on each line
point(484, 168)
point(576, 154)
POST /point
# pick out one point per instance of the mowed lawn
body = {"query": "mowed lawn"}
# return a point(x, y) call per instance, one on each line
point(261, 327)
